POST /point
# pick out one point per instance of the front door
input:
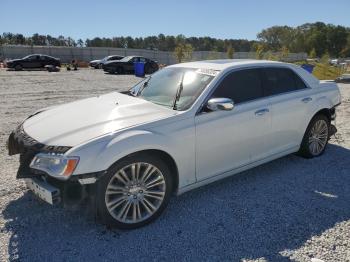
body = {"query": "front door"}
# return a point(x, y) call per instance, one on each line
point(226, 140)
point(32, 62)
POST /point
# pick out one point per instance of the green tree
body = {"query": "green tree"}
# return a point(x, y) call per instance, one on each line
point(345, 52)
point(325, 58)
point(230, 52)
point(325, 66)
point(80, 42)
point(270, 56)
point(276, 37)
point(259, 50)
point(312, 53)
point(284, 53)
point(183, 52)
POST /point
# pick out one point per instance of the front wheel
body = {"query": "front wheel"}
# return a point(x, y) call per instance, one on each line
point(18, 68)
point(134, 192)
point(316, 137)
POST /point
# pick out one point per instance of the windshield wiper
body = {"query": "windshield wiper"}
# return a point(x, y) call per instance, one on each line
point(143, 86)
point(178, 93)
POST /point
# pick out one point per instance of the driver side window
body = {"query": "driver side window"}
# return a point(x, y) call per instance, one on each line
point(240, 86)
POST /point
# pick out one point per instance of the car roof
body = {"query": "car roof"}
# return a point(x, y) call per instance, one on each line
point(41, 55)
point(223, 64)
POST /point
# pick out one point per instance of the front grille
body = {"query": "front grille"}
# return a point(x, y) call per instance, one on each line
point(20, 142)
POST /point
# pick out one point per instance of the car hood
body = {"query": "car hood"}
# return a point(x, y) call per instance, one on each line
point(77, 122)
point(95, 61)
point(13, 60)
point(113, 62)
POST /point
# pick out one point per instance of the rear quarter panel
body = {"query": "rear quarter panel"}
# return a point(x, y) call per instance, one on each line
point(325, 95)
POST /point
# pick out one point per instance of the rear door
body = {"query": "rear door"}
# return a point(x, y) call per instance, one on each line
point(226, 140)
point(44, 60)
point(130, 65)
point(290, 99)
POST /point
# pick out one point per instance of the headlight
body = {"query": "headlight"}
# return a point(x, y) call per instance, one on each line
point(59, 166)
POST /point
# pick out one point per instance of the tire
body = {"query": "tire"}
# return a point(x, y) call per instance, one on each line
point(100, 66)
point(96, 67)
point(318, 123)
point(148, 69)
point(123, 202)
point(18, 68)
point(120, 70)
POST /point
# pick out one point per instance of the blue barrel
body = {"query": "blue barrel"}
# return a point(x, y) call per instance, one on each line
point(139, 68)
point(308, 67)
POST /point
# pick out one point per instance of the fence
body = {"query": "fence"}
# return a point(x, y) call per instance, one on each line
point(67, 54)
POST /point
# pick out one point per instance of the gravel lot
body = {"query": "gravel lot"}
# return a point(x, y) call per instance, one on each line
point(289, 209)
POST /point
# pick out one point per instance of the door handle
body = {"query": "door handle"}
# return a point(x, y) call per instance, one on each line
point(306, 99)
point(262, 112)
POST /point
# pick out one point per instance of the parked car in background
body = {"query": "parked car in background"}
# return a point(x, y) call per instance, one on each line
point(97, 64)
point(334, 62)
point(345, 78)
point(126, 65)
point(33, 62)
point(184, 126)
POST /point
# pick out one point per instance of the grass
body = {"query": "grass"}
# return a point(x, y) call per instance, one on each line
point(325, 71)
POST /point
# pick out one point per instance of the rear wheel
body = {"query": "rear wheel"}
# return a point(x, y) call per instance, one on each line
point(316, 137)
point(149, 69)
point(134, 192)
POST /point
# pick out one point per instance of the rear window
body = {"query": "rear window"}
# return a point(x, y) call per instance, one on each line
point(281, 80)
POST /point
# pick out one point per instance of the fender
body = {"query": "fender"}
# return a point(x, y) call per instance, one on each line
point(131, 141)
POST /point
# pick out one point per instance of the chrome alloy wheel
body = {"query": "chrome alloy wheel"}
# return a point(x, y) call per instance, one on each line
point(318, 137)
point(135, 192)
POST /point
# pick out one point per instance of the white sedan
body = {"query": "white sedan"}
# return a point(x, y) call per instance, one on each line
point(183, 127)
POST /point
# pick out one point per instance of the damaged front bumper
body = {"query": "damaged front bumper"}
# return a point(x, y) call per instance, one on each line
point(49, 189)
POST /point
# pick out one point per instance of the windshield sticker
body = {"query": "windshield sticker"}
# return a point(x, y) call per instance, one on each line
point(206, 71)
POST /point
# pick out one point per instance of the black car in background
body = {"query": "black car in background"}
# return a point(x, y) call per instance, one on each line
point(98, 63)
point(345, 78)
point(126, 65)
point(33, 61)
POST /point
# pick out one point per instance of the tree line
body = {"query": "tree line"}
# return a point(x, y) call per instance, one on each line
point(316, 39)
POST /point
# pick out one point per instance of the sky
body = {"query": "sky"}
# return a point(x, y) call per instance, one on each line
point(236, 19)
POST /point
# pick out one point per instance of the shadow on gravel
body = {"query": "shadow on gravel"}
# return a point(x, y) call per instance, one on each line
point(259, 213)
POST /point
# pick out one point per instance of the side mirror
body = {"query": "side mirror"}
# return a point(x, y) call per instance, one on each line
point(215, 104)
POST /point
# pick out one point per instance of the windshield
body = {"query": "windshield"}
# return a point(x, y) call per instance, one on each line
point(173, 87)
point(126, 59)
point(29, 57)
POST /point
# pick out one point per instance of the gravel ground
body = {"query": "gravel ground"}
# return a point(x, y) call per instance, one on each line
point(289, 209)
